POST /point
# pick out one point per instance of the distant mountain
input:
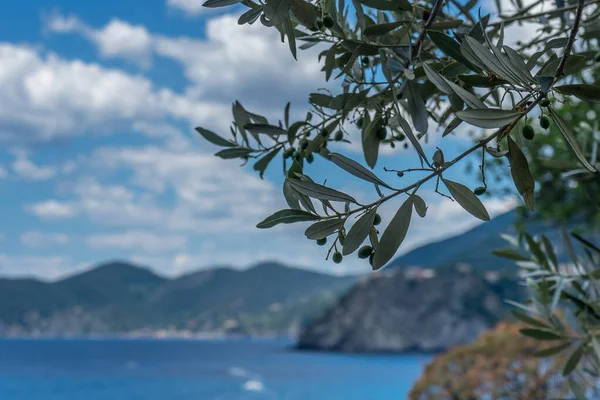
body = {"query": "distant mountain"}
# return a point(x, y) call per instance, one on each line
point(119, 297)
point(474, 247)
point(394, 312)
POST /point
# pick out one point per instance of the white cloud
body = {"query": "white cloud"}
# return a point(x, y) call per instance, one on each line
point(191, 7)
point(36, 239)
point(46, 97)
point(51, 209)
point(118, 39)
point(138, 240)
point(3, 172)
point(46, 267)
point(251, 61)
point(24, 168)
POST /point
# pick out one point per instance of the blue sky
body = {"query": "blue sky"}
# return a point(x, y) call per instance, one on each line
point(99, 161)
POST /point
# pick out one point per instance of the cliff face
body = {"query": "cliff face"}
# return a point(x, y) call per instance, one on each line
point(393, 313)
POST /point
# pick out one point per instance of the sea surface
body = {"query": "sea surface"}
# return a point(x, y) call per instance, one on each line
point(229, 369)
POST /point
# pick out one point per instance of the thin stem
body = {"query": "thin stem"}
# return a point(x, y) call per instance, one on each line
point(506, 20)
point(438, 172)
point(436, 8)
point(569, 46)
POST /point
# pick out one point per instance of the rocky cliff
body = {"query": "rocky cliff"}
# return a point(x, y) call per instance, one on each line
point(395, 312)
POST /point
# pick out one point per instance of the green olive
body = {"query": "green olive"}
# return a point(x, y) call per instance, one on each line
point(337, 257)
point(322, 241)
point(377, 219)
point(480, 190)
point(528, 132)
point(288, 152)
point(365, 252)
point(545, 122)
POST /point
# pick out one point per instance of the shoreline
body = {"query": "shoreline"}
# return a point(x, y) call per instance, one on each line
point(205, 336)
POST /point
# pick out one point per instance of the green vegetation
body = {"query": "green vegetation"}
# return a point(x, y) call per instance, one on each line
point(119, 297)
point(499, 365)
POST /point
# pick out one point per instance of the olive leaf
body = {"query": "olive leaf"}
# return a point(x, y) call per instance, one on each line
point(448, 24)
point(550, 351)
point(382, 29)
point(410, 135)
point(320, 99)
point(572, 362)
point(219, 3)
point(356, 169)
point(437, 79)
point(360, 14)
point(467, 199)
point(419, 204)
point(265, 128)
point(451, 47)
point(250, 16)
point(262, 164)
point(370, 142)
point(329, 60)
point(490, 60)
point(540, 334)
point(581, 91)
point(339, 101)
point(277, 10)
point(416, 107)
point(320, 192)
point(359, 232)
point(549, 250)
point(214, 138)
point(241, 117)
point(286, 217)
point(489, 118)
point(573, 64)
point(291, 195)
point(519, 169)
point(398, 5)
point(528, 320)
point(511, 254)
point(569, 136)
point(322, 229)
point(291, 37)
point(576, 387)
point(469, 98)
point(394, 235)
point(452, 126)
point(234, 152)
point(518, 64)
point(481, 80)
point(305, 12)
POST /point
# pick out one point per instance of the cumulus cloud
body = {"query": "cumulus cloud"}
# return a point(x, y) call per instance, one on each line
point(190, 7)
point(36, 239)
point(44, 97)
point(253, 64)
point(138, 240)
point(205, 201)
point(51, 209)
point(46, 267)
point(118, 39)
point(24, 168)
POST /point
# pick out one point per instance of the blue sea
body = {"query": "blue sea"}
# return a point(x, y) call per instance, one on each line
point(231, 369)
